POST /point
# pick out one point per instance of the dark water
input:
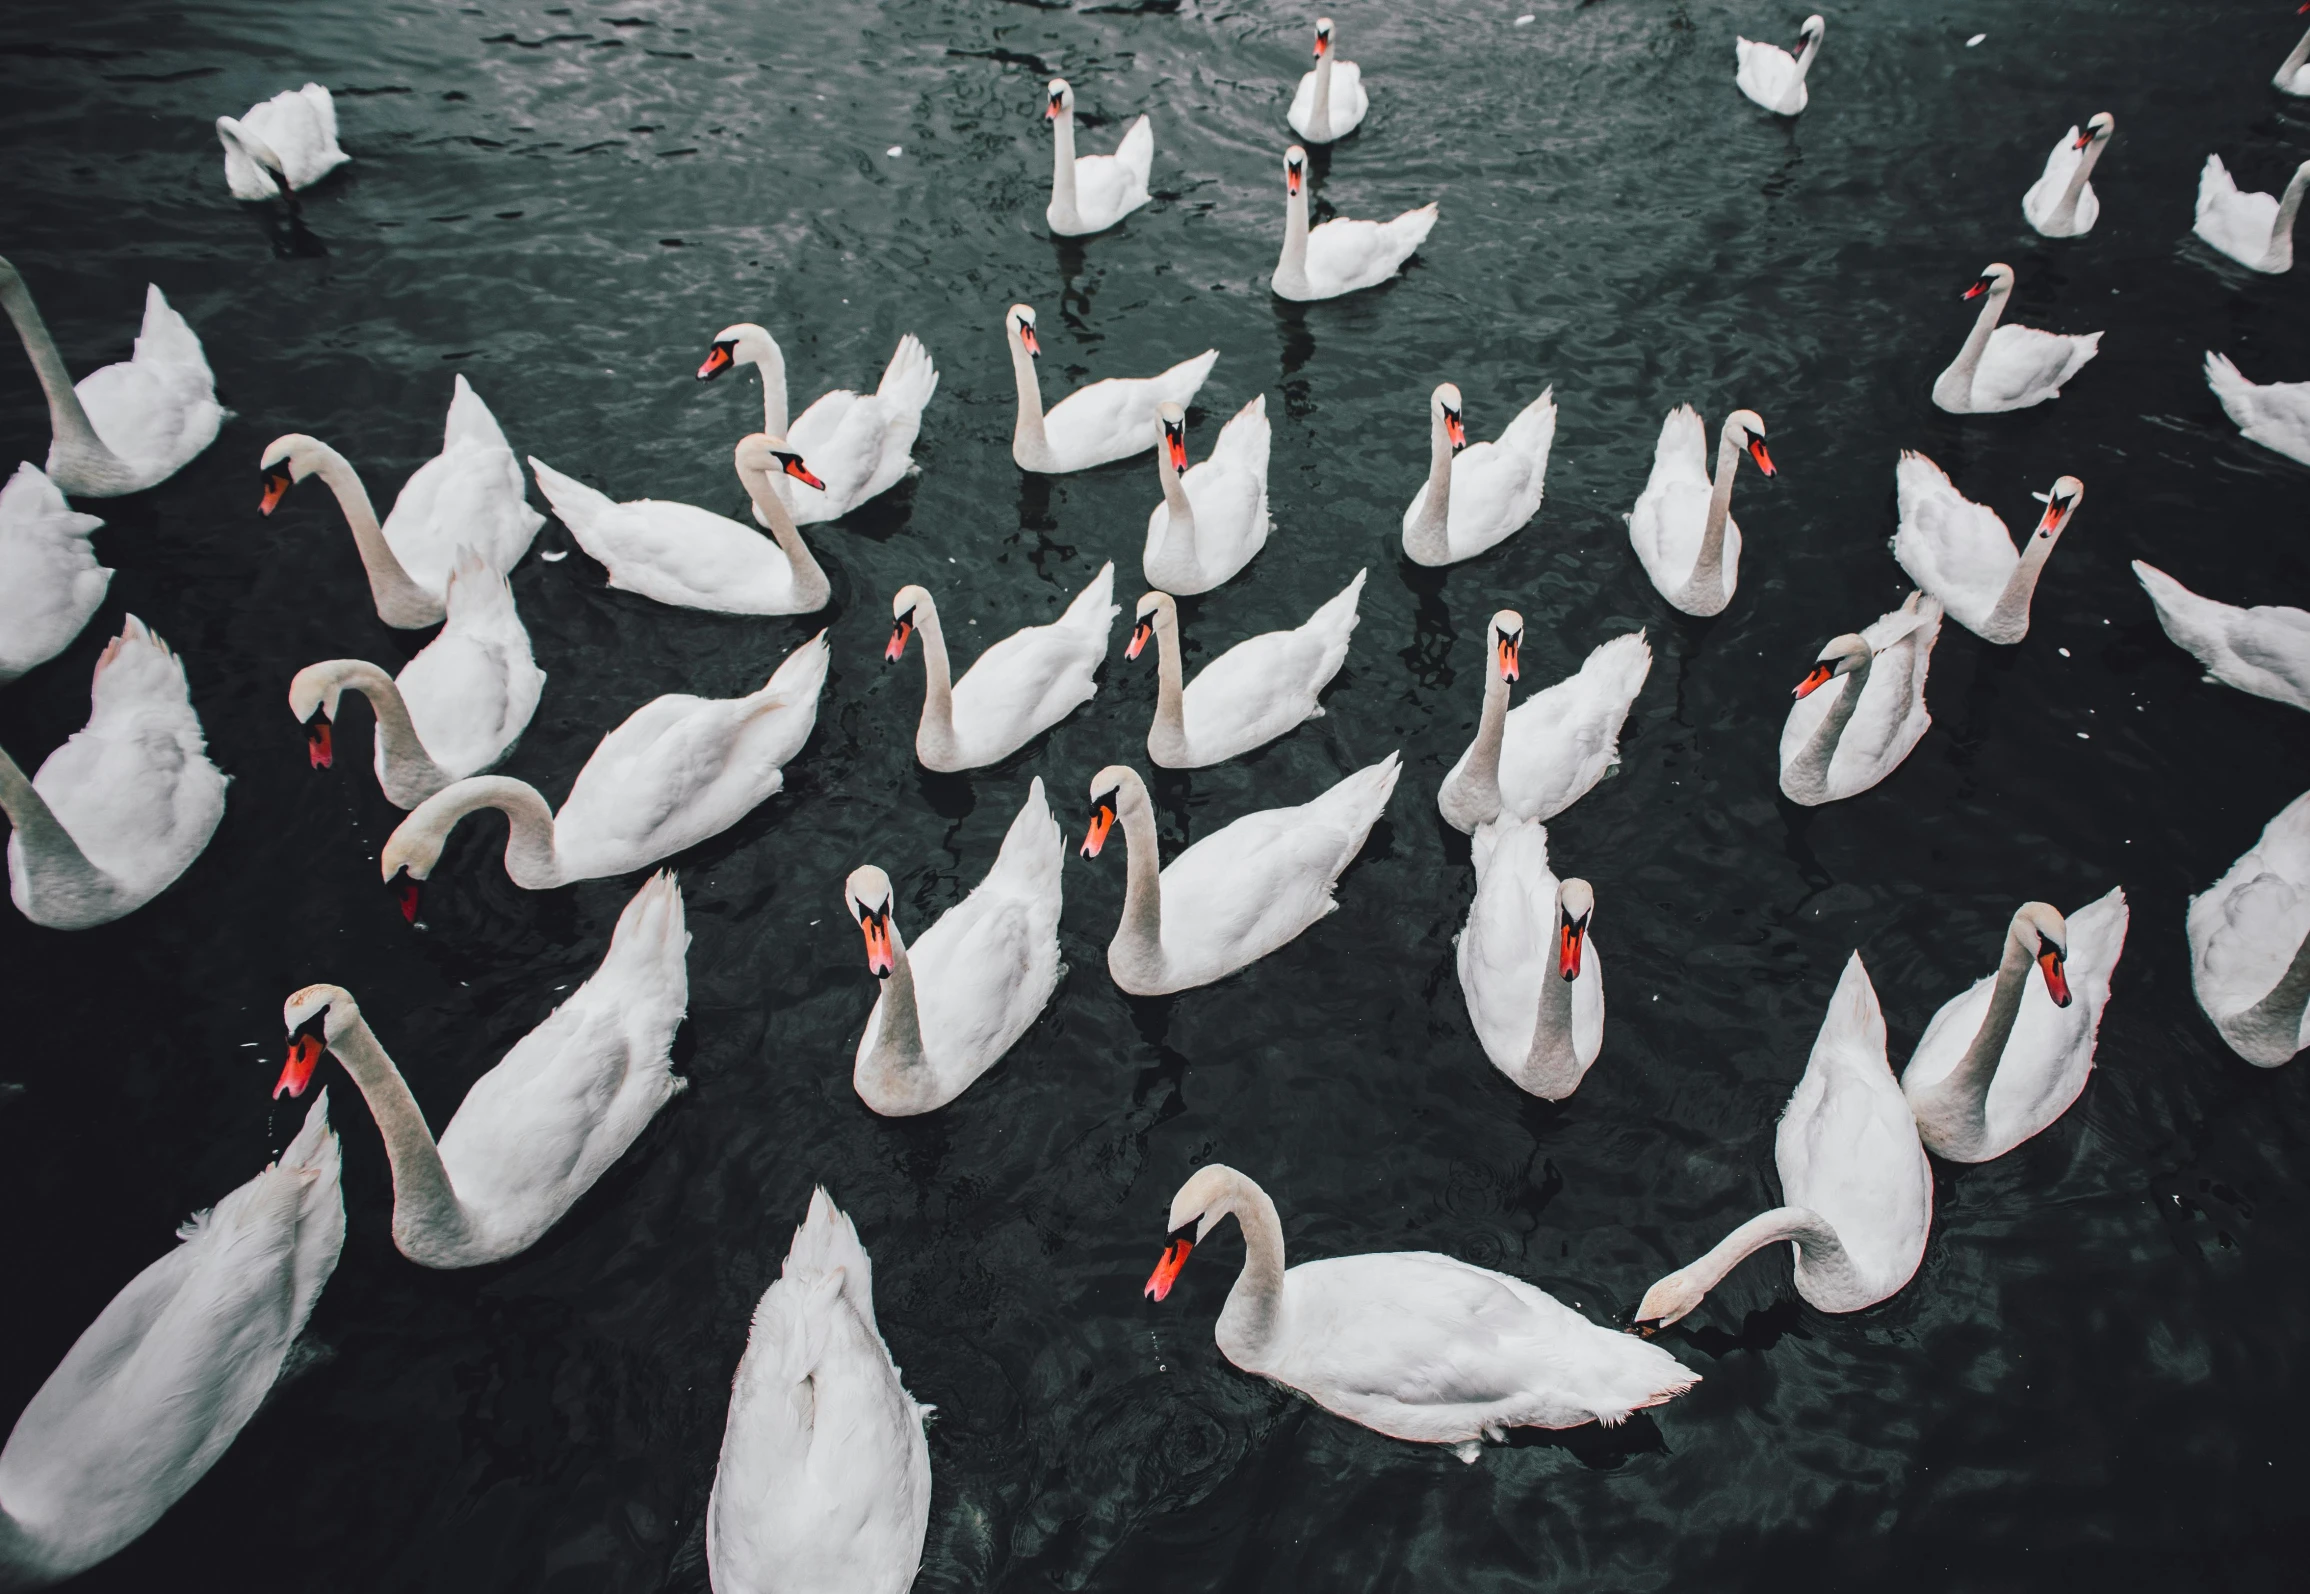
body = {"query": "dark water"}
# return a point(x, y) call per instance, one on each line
point(2097, 1372)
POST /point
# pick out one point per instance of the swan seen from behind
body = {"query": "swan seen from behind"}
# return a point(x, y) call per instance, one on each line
point(1341, 256)
point(1098, 423)
point(281, 146)
point(2062, 203)
point(2256, 230)
point(2264, 650)
point(1090, 193)
point(1528, 966)
point(2008, 367)
point(1772, 76)
point(1538, 759)
point(1682, 526)
point(1961, 553)
point(50, 583)
point(1861, 708)
point(2274, 414)
point(1213, 518)
point(1258, 690)
point(2250, 943)
point(1014, 691)
point(1477, 495)
point(860, 445)
point(1330, 101)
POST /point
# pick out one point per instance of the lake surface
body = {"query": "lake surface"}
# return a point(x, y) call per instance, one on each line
point(2099, 1371)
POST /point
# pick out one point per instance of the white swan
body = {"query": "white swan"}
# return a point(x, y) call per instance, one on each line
point(1213, 517)
point(2274, 414)
point(468, 495)
point(2062, 203)
point(536, 1131)
point(693, 558)
point(127, 426)
point(2008, 367)
point(1341, 256)
point(955, 1001)
point(1528, 966)
point(824, 1481)
point(860, 444)
point(1856, 1188)
point(1096, 424)
point(2264, 650)
point(1545, 755)
point(2250, 943)
point(1413, 1344)
point(1257, 690)
point(2293, 74)
point(50, 582)
point(287, 143)
point(455, 710)
point(1013, 692)
point(2006, 1057)
point(1090, 193)
point(1682, 526)
point(1241, 892)
point(679, 770)
point(1477, 495)
point(1840, 742)
point(119, 811)
point(1960, 551)
point(161, 1383)
point(1330, 101)
point(2254, 229)
point(1773, 77)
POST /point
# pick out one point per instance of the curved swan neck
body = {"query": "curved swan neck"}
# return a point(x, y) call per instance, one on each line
point(1254, 1306)
point(2289, 206)
point(1170, 729)
point(1319, 114)
point(811, 588)
point(2009, 620)
point(402, 751)
point(2066, 211)
point(935, 728)
point(2284, 78)
point(770, 360)
point(1952, 1113)
point(1063, 164)
point(55, 868)
point(1706, 585)
point(530, 858)
point(1810, 773)
point(1430, 540)
point(1819, 1250)
point(75, 434)
point(1142, 925)
point(1027, 436)
point(1969, 357)
point(1811, 48)
point(425, 1204)
point(400, 601)
point(897, 1057)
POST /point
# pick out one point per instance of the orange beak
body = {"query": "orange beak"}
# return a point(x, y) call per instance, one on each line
point(1568, 939)
point(405, 893)
point(1027, 337)
point(1052, 111)
point(1102, 821)
point(2086, 137)
point(2056, 981)
point(1291, 179)
point(1174, 1257)
point(1978, 289)
point(305, 1048)
point(1820, 676)
point(1508, 646)
point(801, 473)
point(880, 960)
point(1176, 442)
point(278, 481)
point(1139, 635)
point(899, 632)
point(1763, 459)
point(318, 745)
point(719, 358)
point(1456, 429)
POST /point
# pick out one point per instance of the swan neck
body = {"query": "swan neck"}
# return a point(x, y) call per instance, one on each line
point(1552, 1066)
point(1953, 1113)
point(425, 1204)
point(2010, 618)
point(66, 418)
point(1480, 776)
point(400, 600)
point(1292, 268)
point(1812, 47)
point(936, 727)
point(530, 858)
point(2293, 63)
point(1430, 541)
point(1063, 164)
point(1809, 775)
point(1142, 925)
point(2078, 179)
point(811, 588)
point(1819, 1251)
point(1170, 687)
point(1319, 114)
point(402, 751)
point(1706, 584)
point(55, 868)
point(1027, 436)
point(772, 364)
point(1969, 357)
point(897, 1056)
point(1254, 1308)
point(2289, 206)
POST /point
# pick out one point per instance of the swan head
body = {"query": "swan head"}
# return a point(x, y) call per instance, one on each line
point(314, 1018)
point(1155, 609)
point(2044, 934)
point(1507, 641)
point(313, 693)
point(1061, 102)
point(1108, 789)
point(2060, 503)
point(770, 456)
point(1996, 280)
point(1747, 428)
point(1019, 323)
point(1810, 31)
point(1575, 906)
point(741, 343)
point(237, 139)
point(1444, 407)
point(410, 854)
point(1171, 433)
point(1294, 170)
point(1842, 656)
point(1668, 1301)
point(1322, 37)
point(2097, 130)
point(288, 460)
point(867, 896)
point(903, 609)
point(1202, 1201)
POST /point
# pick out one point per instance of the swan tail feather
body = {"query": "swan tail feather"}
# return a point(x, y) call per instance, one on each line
point(802, 673)
point(136, 667)
point(1183, 381)
point(1334, 624)
point(825, 1261)
point(576, 505)
point(1411, 229)
point(166, 336)
point(1247, 437)
point(1094, 609)
point(910, 378)
point(470, 423)
point(1034, 849)
point(1136, 153)
point(2197, 625)
point(478, 591)
point(2231, 387)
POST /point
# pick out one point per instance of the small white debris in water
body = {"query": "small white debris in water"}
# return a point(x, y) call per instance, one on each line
point(895, 151)
point(250, 1046)
point(814, 924)
point(1525, 20)
point(2064, 652)
point(2081, 736)
point(1976, 39)
point(554, 558)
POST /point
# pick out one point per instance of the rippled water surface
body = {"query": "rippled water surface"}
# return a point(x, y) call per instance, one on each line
point(2098, 1370)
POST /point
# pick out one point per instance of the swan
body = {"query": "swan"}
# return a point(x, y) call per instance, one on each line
point(2003, 1059)
point(127, 426)
point(2250, 943)
point(1213, 517)
point(1090, 193)
point(1412, 1344)
point(1960, 551)
point(1840, 744)
point(1330, 101)
point(2293, 75)
point(2264, 650)
point(455, 710)
point(824, 1481)
point(693, 558)
point(155, 1389)
point(1013, 692)
point(1682, 526)
point(861, 444)
point(2062, 203)
point(679, 770)
point(954, 1002)
point(1477, 495)
point(119, 811)
point(2254, 229)
point(1238, 894)
point(1540, 759)
point(468, 495)
point(2008, 368)
point(536, 1131)
point(1340, 256)
point(50, 582)
point(2274, 414)
point(1773, 77)
point(1857, 1187)
point(1257, 690)
point(1094, 425)
point(1528, 966)
point(282, 146)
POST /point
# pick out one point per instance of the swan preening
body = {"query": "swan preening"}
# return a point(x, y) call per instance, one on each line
point(2062, 203)
point(50, 582)
point(2256, 230)
point(1090, 193)
point(119, 811)
point(2250, 943)
point(1477, 495)
point(1772, 76)
point(1413, 1344)
point(1861, 708)
point(468, 495)
point(1856, 1188)
point(127, 426)
point(165, 1378)
point(536, 1131)
point(2264, 650)
point(2005, 1058)
point(1213, 517)
point(2274, 414)
point(2008, 367)
point(859, 445)
point(282, 146)
point(1330, 101)
point(1540, 758)
point(1528, 965)
point(960, 997)
point(679, 770)
point(824, 1481)
point(1682, 526)
point(1961, 553)
point(1013, 692)
point(1340, 256)
point(1098, 423)
point(1256, 691)
point(1241, 892)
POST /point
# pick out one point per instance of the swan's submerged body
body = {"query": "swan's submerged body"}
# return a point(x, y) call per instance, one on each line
point(2250, 943)
point(50, 582)
point(293, 134)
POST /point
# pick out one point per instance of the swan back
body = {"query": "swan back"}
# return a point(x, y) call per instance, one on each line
point(155, 410)
point(1559, 742)
point(50, 582)
point(1510, 947)
point(472, 690)
point(1952, 547)
point(470, 493)
point(1033, 678)
point(2263, 650)
point(2247, 929)
point(2274, 414)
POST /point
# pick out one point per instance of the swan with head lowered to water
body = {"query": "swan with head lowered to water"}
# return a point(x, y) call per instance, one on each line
point(1099, 422)
point(283, 146)
point(2008, 367)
